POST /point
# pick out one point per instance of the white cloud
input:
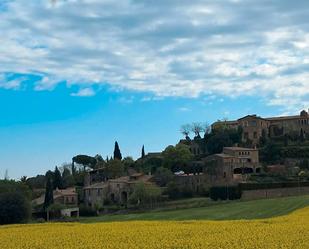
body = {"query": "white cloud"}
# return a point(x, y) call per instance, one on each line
point(86, 92)
point(11, 84)
point(184, 109)
point(167, 48)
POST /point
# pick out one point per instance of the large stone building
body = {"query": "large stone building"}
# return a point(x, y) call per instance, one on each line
point(234, 163)
point(254, 126)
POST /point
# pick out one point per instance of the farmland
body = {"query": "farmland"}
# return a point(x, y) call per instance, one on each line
point(288, 231)
point(203, 209)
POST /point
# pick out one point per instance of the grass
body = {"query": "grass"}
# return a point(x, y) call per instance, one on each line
point(233, 210)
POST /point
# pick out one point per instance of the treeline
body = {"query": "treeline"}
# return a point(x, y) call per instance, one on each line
point(15, 200)
point(213, 140)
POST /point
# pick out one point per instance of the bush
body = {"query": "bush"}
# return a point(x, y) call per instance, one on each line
point(86, 211)
point(173, 190)
point(225, 192)
point(14, 208)
point(145, 195)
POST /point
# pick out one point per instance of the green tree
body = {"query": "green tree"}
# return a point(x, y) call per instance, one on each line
point(86, 161)
point(49, 197)
point(11, 186)
point(163, 176)
point(143, 151)
point(117, 153)
point(14, 208)
point(67, 178)
point(57, 180)
point(173, 190)
point(128, 162)
point(114, 168)
point(145, 195)
point(270, 152)
point(216, 143)
point(99, 158)
point(176, 157)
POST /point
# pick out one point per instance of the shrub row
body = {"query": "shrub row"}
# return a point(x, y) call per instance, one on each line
point(295, 152)
point(254, 186)
point(225, 192)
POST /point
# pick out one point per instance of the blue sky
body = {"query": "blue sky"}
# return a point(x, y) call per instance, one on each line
point(77, 75)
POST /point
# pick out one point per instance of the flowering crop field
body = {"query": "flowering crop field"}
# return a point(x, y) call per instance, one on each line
point(290, 231)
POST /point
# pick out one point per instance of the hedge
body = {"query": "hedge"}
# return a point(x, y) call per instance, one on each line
point(295, 152)
point(225, 192)
point(254, 186)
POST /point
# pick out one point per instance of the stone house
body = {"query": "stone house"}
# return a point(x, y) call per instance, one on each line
point(114, 190)
point(67, 197)
point(234, 163)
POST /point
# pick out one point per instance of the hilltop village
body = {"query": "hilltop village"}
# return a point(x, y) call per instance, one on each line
point(249, 158)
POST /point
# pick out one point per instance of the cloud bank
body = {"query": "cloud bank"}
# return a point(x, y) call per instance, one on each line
point(166, 47)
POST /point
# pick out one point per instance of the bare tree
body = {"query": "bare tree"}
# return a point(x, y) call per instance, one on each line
point(206, 128)
point(197, 128)
point(185, 130)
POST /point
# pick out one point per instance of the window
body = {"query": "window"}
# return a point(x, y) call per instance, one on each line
point(255, 134)
point(253, 123)
point(224, 174)
point(246, 135)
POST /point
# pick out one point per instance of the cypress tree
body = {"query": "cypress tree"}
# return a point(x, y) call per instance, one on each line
point(143, 151)
point(58, 183)
point(49, 196)
point(302, 135)
point(117, 153)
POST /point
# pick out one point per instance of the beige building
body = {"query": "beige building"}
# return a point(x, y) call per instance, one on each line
point(253, 126)
point(114, 190)
point(234, 163)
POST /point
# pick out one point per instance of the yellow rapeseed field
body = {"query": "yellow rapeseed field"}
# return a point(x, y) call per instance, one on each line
point(291, 231)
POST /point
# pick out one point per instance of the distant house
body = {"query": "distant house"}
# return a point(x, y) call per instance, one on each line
point(114, 190)
point(66, 197)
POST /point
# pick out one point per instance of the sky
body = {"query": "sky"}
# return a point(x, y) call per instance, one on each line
point(78, 75)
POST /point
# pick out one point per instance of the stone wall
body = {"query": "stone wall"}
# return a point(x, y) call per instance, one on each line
point(273, 193)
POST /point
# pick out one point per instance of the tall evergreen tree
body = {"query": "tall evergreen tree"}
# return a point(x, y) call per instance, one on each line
point(117, 153)
point(143, 151)
point(49, 196)
point(302, 135)
point(58, 183)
